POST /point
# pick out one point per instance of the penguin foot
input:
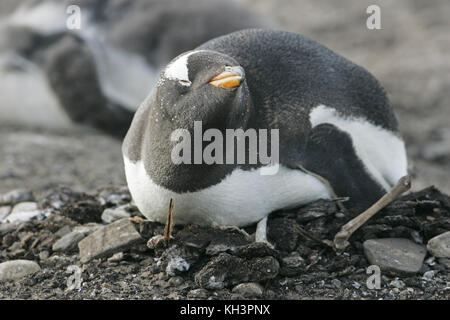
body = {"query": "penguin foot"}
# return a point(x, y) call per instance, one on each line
point(164, 239)
point(261, 233)
point(341, 239)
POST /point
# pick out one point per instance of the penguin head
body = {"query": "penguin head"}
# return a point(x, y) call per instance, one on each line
point(205, 86)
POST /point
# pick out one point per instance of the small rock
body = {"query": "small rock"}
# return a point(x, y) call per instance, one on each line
point(439, 246)
point(108, 240)
point(292, 265)
point(263, 268)
point(397, 283)
point(356, 285)
point(283, 234)
point(4, 212)
point(176, 260)
point(15, 246)
point(84, 209)
point(445, 262)
point(336, 283)
point(114, 196)
point(116, 257)
point(16, 196)
point(417, 237)
point(175, 265)
point(23, 211)
point(339, 215)
point(197, 294)
point(221, 271)
point(176, 281)
point(429, 275)
point(25, 206)
point(43, 255)
point(63, 231)
point(16, 269)
point(394, 255)
point(249, 289)
point(112, 214)
point(6, 227)
point(431, 261)
point(88, 228)
point(69, 242)
point(146, 262)
point(255, 250)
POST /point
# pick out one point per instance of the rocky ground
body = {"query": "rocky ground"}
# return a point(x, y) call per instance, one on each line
point(410, 56)
point(74, 245)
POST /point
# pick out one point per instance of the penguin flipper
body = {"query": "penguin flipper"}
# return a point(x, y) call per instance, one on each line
point(330, 154)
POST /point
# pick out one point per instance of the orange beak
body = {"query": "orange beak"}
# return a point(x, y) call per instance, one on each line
point(232, 77)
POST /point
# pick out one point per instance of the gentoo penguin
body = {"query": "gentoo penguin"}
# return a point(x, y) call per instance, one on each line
point(338, 134)
point(98, 74)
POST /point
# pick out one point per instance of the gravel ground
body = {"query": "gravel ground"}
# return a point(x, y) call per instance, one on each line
point(207, 263)
point(410, 56)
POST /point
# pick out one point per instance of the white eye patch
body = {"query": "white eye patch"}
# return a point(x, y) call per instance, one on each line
point(178, 69)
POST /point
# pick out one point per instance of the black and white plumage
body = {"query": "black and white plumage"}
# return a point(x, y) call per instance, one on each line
point(334, 120)
point(99, 74)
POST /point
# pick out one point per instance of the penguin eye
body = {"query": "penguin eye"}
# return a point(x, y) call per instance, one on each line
point(185, 83)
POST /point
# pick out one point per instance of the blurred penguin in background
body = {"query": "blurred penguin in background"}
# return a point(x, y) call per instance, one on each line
point(97, 73)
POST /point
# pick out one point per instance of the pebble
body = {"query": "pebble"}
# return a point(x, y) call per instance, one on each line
point(69, 241)
point(198, 294)
point(439, 246)
point(23, 211)
point(176, 281)
point(292, 265)
point(63, 231)
point(16, 196)
point(177, 265)
point(43, 255)
point(249, 289)
point(115, 237)
point(225, 270)
point(16, 269)
point(112, 214)
point(336, 283)
point(397, 283)
point(395, 255)
point(339, 215)
point(431, 261)
point(88, 228)
point(116, 257)
point(417, 237)
point(7, 228)
point(445, 262)
point(4, 212)
point(429, 275)
point(356, 285)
